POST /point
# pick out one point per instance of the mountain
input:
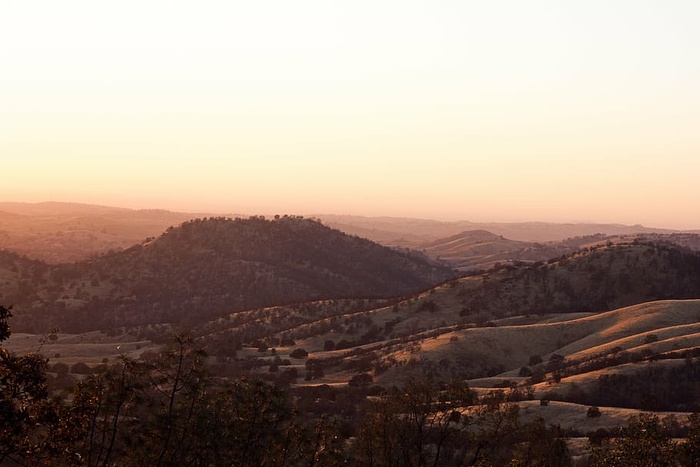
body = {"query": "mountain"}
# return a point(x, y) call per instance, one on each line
point(206, 268)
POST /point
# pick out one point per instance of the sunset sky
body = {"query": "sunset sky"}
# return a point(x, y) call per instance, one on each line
point(475, 110)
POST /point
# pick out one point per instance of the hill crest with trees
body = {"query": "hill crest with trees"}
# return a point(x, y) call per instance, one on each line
point(210, 267)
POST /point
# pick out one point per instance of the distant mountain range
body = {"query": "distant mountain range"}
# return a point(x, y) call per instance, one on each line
point(482, 250)
point(412, 232)
point(64, 232)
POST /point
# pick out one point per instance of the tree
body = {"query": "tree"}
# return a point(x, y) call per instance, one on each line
point(361, 380)
point(171, 411)
point(690, 450)
point(541, 446)
point(413, 425)
point(104, 404)
point(318, 444)
point(80, 368)
point(299, 353)
point(534, 360)
point(497, 429)
point(643, 444)
point(32, 427)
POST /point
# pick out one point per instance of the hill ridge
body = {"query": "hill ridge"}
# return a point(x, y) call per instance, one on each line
point(213, 266)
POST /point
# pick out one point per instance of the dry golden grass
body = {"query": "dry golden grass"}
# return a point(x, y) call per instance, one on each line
point(618, 326)
point(674, 324)
point(91, 347)
point(573, 416)
point(587, 381)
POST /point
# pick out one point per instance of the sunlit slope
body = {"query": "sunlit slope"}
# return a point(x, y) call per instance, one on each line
point(483, 324)
point(479, 249)
point(673, 325)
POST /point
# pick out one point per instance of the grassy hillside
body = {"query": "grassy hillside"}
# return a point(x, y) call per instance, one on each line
point(639, 357)
point(479, 329)
point(485, 324)
point(481, 250)
point(657, 327)
point(595, 279)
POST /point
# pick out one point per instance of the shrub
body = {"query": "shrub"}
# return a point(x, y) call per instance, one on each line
point(60, 368)
point(597, 437)
point(534, 360)
point(361, 380)
point(80, 368)
point(299, 353)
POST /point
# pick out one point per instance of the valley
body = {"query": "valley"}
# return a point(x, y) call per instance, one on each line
point(582, 335)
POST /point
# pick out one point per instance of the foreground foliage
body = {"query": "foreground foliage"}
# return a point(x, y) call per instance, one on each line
point(645, 442)
point(170, 411)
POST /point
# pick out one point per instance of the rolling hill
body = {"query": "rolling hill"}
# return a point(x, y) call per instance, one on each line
point(395, 338)
point(480, 249)
point(584, 340)
point(615, 325)
point(648, 329)
point(206, 268)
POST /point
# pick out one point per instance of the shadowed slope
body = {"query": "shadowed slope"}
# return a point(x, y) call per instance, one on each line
point(207, 268)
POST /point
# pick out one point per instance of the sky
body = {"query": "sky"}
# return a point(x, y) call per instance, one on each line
point(564, 111)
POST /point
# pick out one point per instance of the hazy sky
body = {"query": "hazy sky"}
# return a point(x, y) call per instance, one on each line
point(480, 110)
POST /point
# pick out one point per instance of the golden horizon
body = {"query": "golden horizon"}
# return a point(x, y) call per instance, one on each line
point(556, 112)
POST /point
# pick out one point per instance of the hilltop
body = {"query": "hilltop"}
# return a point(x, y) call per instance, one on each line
point(206, 268)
